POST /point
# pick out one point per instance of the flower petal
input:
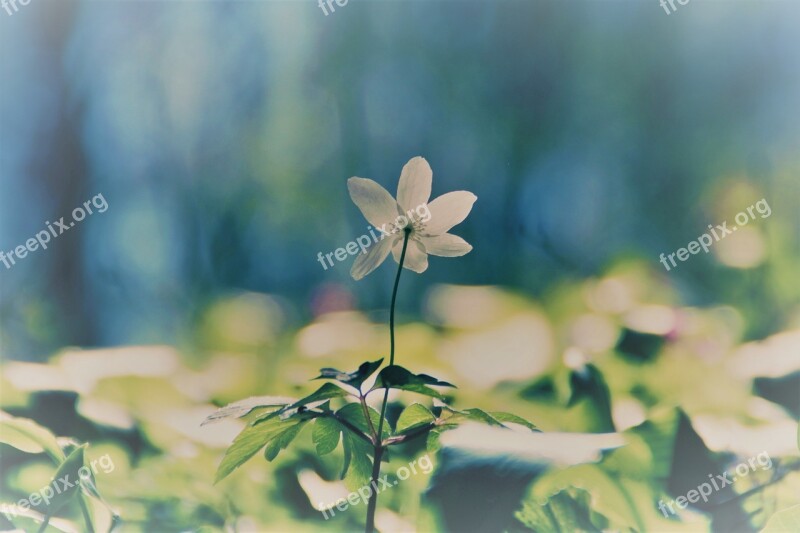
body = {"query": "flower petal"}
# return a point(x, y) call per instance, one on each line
point(416, 258)
point(414, 188)
point(447, 245)
point(447, 211)
point(372, 258)
point(375, 202)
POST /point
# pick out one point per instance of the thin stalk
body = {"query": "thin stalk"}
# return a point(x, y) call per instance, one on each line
point(394, 294)
point(369, 419)
point(379, 449)
point(353, 429)
point(85, 512)
point(410, 435)
point(373, 496)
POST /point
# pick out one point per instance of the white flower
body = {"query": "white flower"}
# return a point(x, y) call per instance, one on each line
point(427, 234)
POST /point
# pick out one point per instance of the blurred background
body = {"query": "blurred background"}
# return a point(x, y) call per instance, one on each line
point(596, 135)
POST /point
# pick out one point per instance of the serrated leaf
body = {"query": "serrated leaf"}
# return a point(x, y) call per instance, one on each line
point(413, 416)
point(354, 413)
point(432, 442)
point(457, 417)
point(354, 379)
point(282, 440)
point(244, 407)
point(357, 466)
point(347, 447)
point(567, 510)
point(28, 436)
point(607, 494)
point(325, 435)
point(247, 443)
point(512, 418)
point(478, 415)
point(357, 470)
point(397, 377)
point(314, 400)
point(326, 392)
point(473, 414)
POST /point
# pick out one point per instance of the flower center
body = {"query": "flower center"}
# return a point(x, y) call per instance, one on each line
point(407, 224)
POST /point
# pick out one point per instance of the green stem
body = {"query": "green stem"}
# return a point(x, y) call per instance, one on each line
point(86, 517)
point(391, 328)
point(410, 435)
point(44, 524)
point(379, 448)
point(352, 428)
point(394, 295)
point(369, 419)
point(373, 496)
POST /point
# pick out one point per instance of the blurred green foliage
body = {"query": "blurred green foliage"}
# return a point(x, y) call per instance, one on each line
point(684, 410)
point(596, 136)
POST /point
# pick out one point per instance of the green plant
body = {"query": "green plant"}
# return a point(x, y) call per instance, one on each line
point(365, 434)
point(73, 482)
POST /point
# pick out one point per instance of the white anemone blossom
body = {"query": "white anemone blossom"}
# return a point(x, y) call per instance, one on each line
point(427, 235)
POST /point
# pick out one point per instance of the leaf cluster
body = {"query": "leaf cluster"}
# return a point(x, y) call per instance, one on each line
point(276, 421)
point(69, 457)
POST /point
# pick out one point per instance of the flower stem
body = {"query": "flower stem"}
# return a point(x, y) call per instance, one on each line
point(394, 295)
point(379, 448)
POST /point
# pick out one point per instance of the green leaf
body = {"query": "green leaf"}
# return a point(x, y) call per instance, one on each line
point(357, 466)
point(397, 377)
point(413, 416)
point(512, 418)
point(354, 413)
point(607, 494)
point(357, 470)
point(247, 443)
point(326, 392)
point(474, 414)
point(456, 417)
point(567, 510)
point(478, 415)
point(244, 407)
point(347, 447)
point(432, 442)
point(312, 401)
point(590, 392)
point(29, 520)
point(282, 440)
point(354, 379)
point(325, 435)
point(783, 521)
point(68, 472)
point(650, 451)
point(26, 435)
